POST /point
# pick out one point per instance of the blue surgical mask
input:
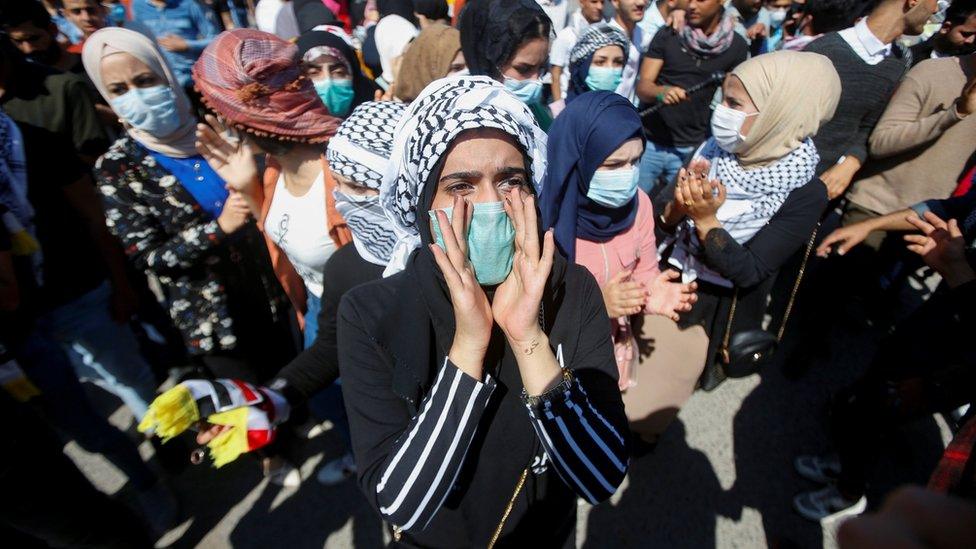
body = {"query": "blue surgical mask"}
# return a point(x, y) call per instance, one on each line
point(604, 78)
point(491, 241)
point(152, 110)
point(528, 91)
point(337, 94)
point(614, 188)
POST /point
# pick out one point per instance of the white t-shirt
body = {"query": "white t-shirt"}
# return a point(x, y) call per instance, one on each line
point(652, 22)
point(277, 17)
point(563, 44)
point(297, 224)
point(639, 41)
point(556, 10)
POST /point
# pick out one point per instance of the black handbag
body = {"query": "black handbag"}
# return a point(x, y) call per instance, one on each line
point(746, 352)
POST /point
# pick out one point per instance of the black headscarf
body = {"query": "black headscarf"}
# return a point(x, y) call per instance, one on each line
point(492, 30)
point(311, 14)
point(363, 87)
point(403, 8)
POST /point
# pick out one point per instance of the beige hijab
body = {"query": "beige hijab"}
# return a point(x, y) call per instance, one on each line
point(113, 40)
point(795, 93)
point(427, 59)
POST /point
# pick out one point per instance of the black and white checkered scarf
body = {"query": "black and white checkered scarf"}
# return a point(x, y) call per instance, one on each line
point(360, 150)
point(446, 108)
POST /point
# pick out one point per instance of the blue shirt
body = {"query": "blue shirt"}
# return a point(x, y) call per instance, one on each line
point(183, 18)
point(198, 178)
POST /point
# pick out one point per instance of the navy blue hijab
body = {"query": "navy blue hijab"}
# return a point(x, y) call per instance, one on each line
point(593, 38)
point(581, 138)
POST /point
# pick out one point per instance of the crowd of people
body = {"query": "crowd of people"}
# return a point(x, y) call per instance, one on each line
point(498, 244)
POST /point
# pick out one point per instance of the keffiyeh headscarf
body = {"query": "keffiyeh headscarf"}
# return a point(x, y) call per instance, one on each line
point(253, 80)
point(593, 38)
point(360, 152)
point(702, 45)
point(445, 109)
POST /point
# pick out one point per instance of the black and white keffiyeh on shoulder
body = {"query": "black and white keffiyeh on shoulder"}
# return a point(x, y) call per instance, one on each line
point(360, 150)
point(443, 110)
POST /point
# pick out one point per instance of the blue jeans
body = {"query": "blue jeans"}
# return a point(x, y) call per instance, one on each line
point(101, 350)
point(659, 166)
point(64, 403)
point(313, 306)
point(327, 403)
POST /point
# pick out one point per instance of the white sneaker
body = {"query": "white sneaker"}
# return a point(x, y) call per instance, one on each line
point(284, 474)
point(827, 504)
point(159, 507)
point(337, 470)
point(820, 469)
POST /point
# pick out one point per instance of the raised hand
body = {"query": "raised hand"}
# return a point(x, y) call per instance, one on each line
point(670, 298)
point(517, 299)
point(623, 296)
point(697, 196)
point(235, 214)
point(472, 312)
point(231, 157)
point(942, 247)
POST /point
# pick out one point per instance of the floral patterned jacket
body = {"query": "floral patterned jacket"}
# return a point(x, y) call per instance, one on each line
point(166, 232)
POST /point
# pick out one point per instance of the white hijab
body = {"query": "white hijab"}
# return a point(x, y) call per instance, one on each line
point(393, 33)
point(114, 40)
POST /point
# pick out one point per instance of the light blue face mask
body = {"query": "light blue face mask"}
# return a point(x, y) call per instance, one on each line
point(491, 241)
point(604, 78)
point(614, 188)
point(337, 94)
point(152, 110)
point(528, 91)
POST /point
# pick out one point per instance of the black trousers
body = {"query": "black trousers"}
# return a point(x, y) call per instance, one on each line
point(925, 366)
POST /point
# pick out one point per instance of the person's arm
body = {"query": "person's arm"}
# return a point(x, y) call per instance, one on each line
point(142, 238)
point(651, 64)
point(748, 264)
point(406, 464)
point(581, 421)
point(81, 196)
point(206, 31)
point(87, 135)
point(316, 367)
point(557, 91)
point(904, 126)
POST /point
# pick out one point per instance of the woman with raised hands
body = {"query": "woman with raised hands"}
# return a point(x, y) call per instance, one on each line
point(479, 379)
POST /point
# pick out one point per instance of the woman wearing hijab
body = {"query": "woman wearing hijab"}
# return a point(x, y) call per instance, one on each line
point(749, 199)
point(358, 156)
point(435, 53)
point(479, 379)
point(178, 221)
point(597, 60)
point(254, 82)
point(332, 65)
point(393, 35)
point(601, 221)
point(508, 40)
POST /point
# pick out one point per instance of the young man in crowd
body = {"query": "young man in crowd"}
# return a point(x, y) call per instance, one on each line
point(810, 20)
point(34, 33)
point(629, 13)
point(752, 22)
point(663, 13)
point(590, 11)
point(870, 66)
point(86, 298)
point(182, 30)
point(956, 37)
point(90, 15)
point(673, 63)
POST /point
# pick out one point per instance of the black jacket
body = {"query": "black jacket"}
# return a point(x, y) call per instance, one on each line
point(442, 454)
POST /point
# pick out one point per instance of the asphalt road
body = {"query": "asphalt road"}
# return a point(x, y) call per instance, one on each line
point(721, 476)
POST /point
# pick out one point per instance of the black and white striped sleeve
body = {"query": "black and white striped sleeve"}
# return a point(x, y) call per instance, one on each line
point(588, 452)
point(426, 458)
point(581, 422)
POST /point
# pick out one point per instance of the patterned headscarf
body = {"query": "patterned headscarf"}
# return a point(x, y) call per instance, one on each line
point(593, 38)
point(360, 150)
point(253, 79)
point(445, 109)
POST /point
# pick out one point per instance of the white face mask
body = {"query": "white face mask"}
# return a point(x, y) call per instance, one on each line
point(777, 16)
point(726, 127)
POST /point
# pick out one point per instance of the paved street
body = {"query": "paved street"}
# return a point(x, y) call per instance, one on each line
point(721, 477)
